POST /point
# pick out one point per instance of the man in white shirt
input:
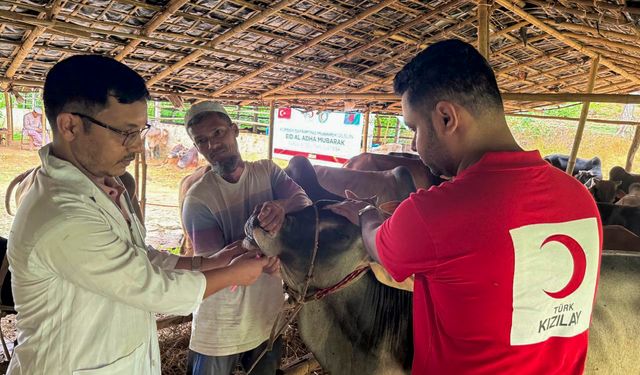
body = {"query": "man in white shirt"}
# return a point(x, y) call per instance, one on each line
point(233, 326)
point(85, 285)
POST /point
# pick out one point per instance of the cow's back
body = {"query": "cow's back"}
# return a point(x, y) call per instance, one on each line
point(422, 176)
point(614, 336)
point(393, 185)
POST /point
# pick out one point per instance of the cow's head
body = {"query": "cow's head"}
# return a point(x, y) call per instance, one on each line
point(340, 249)
point(605, 191)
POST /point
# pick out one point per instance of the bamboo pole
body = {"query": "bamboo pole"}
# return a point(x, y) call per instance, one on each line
point(608, 43)
point(136, 175)
point(69, 29)
point(143, 183)
point(518, 97)
point(8, 107)
point(220, 39)
point(157, 20)
point(272, 108)
point(332, 32)
point(632, 150)
point(593, 73)
point(380, 38)
point(593, 120)
point(365, 132)
point(483, 28)
point(568, 41)
point(603, 32)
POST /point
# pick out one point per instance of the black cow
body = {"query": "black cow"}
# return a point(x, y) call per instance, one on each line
point(365, 328)
point(6, 296)
point(626, 216)
point(619, 174)
point(593, 165)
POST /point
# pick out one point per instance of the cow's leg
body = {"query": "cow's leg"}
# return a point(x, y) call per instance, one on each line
point(301, 171)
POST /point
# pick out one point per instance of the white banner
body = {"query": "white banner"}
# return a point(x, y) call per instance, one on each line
point(329, 138)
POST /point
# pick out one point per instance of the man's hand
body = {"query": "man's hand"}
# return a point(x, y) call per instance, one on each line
point(228, 253)
point(270, 216)
point(247, 268)
point(350, 207)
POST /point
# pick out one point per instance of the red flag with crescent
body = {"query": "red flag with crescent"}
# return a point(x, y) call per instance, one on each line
point(284, 113)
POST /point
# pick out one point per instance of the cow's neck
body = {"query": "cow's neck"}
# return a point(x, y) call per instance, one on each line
point(373, 317)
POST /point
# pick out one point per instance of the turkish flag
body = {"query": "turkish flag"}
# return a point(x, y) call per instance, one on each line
point(284, 113)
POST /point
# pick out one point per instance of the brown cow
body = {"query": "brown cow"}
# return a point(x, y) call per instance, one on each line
point(156, 139)
point(422, 176)
point(633, 198)
point(186, 247)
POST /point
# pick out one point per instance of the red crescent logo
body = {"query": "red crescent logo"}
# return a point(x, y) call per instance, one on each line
point(579, 264)
point(282, 112)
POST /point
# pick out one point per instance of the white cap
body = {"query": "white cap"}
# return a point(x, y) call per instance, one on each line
point(37, 110)
point(202, 107)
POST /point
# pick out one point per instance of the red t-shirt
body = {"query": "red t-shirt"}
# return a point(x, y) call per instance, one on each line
point(506, 261)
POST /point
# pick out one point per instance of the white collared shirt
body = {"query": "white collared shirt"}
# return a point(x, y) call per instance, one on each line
point(84, 284)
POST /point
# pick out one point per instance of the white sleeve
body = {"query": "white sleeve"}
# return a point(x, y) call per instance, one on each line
point(162, 259)
point(84, 250)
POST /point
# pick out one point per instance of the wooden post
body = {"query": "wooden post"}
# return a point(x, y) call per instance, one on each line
point(397, 130)
point(254, 128)
point(483, 28)
point(272, 108)
point(143, 184)
point(136, 174)
point(157, 111)
point(9, 108)
point(633, 149)
point(386, 132)
point(365, 132)
point(583, 116)
point(376, 124)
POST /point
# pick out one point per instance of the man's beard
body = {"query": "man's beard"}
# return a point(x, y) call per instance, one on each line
point(226, 166)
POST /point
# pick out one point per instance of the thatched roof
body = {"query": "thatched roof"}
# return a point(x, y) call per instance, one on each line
point(246, 51)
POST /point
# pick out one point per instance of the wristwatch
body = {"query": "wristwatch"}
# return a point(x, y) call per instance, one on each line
point(196, 263)
point(367, 208)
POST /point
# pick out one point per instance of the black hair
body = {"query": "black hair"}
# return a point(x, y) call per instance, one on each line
point(84, 83)
point(450, 70)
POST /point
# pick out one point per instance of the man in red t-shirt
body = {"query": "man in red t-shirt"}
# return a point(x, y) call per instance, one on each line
point(506, 256)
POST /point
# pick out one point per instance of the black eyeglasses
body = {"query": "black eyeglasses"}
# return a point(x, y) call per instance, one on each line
point(129, 137)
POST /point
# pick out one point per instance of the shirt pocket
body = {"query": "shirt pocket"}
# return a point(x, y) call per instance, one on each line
point(127, 365)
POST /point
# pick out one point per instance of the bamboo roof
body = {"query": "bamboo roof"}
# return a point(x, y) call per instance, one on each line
point(316, 52)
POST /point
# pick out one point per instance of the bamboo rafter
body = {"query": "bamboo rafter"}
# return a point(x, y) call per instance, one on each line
point(297, 50)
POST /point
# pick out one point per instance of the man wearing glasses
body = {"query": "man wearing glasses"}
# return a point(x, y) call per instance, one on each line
point(85, 284)
point(233, 325)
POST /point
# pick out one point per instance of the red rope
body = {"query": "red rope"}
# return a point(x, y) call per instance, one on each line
point(340, 285)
